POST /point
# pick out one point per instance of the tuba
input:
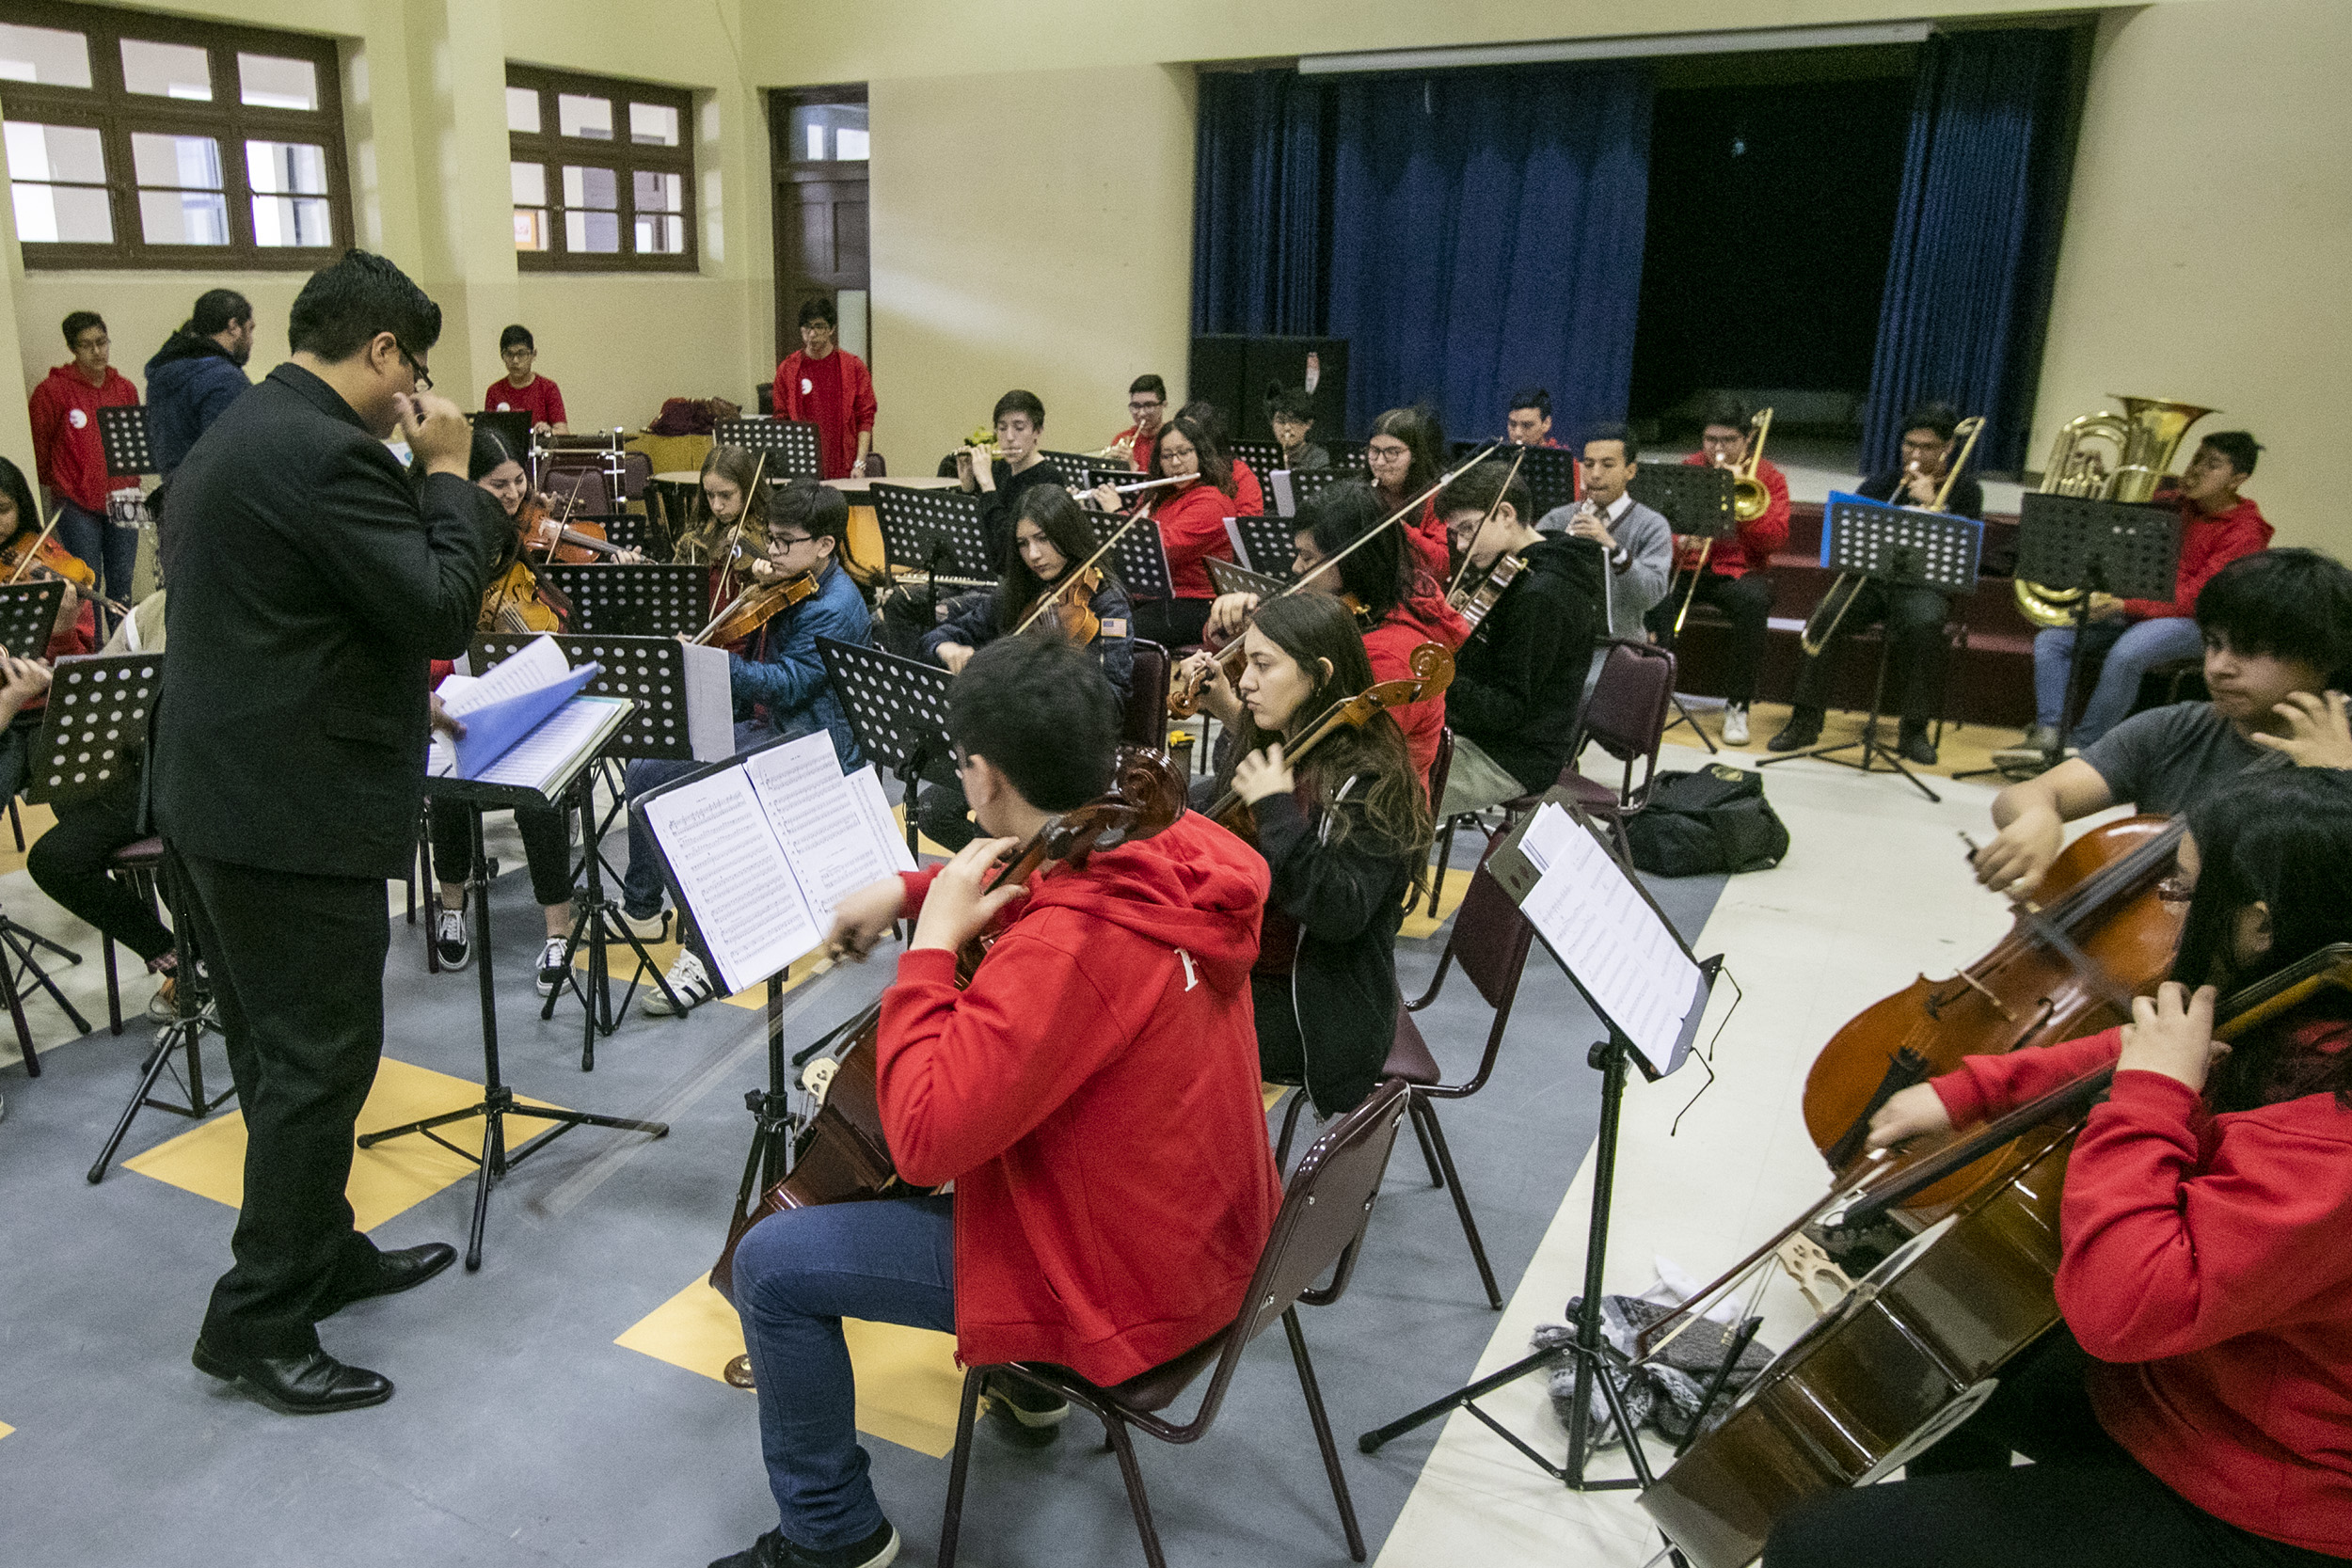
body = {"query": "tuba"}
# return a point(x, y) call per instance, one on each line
point(2145, 437)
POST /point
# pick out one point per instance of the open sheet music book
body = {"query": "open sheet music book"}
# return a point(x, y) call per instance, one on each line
point(760, 851)
point(526, 723)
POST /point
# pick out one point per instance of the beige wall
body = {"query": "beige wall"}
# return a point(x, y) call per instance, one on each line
point(2208, 246)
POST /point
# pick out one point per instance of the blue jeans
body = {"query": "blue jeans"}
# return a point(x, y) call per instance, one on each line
point(2132, 649)
point(111, 553)
point(797, 1275)
point(641, 879)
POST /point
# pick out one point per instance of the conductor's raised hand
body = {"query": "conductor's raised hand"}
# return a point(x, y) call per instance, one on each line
point(437, 432)
point(865, 917)
point(961, 903)
point(1916, 1112)
point(2318, 732)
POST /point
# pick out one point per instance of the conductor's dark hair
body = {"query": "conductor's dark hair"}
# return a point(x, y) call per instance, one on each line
point(2285, 603)
point(1477, 490)
point(517, 336)
point(1151, 384)
point(1213, 467)
point(816, 510)
point(2239, 447)
point(1725, 409)
point(1290, 403)
point(1019, 402)
point(12, 485)
point(343, 307)
point(816, 308)
point(1043, 715)
point(2282, 840)
point(1380, 573)
point(1941, 417)
point(1531, 397)
point(1621, 433)
point(217, 311)
point(80, 322)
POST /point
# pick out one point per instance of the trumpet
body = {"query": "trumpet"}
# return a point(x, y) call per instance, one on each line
point(1809, 642)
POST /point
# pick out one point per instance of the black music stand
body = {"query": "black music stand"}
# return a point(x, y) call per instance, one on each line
point(28, 611)
point(650, 670)
point(1141, 562)
point(791, 445)
point(498, 1099)
point(1549, 473)
point(1074, 463)
point(2126, 548)
point(1266, 546)
point(1904, 547)
point(1227, 577)
point(644, 599)
point(1263, 457)
point(629, 530)
point(192, 1013)
point(1604, 891)
point(1694, 500)
point(936, 533)
point(124, 437)
point(1307, 483)
point(898, 708)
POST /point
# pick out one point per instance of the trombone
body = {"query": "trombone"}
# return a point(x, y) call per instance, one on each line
point(1810, 643)
point(1750, 501)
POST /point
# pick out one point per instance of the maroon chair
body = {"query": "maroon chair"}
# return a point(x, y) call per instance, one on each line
point(1146, 723)
point(1626, 718)
point(1318, 1230)
point(1440, 769)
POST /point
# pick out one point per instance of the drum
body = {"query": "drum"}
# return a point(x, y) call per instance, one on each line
point(673, 494)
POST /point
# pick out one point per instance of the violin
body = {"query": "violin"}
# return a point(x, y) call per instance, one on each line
point(1072, 612)
point(550, 538)
point(518, 603)
point(842, 1155)
point(1183, 693)
point(35, 553)
point(1432, 664)
point(1473, 606)
point(755, 608)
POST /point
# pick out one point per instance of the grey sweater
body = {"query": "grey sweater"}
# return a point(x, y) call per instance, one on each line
point(1646, 536)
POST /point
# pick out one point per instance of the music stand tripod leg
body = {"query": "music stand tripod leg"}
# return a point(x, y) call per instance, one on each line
point(593, 929)
point(1873, 752)
point(20, 940)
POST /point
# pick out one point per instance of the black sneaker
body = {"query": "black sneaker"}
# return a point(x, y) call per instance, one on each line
point(449, 939)
point(1803, 729)
point(1913, 745)
point(1023, 1413)
point(552, 968)
point(773, 1550)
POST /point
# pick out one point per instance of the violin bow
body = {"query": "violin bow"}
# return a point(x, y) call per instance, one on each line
point(735, 535)
point(1046, 598)
point(1492, 507)
point(47, 529)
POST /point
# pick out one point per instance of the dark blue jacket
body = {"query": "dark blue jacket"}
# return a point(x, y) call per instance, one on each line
point(974, 621)
point(788, 677)
point(189, 382)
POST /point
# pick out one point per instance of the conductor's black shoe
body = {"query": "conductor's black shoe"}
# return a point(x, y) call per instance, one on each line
point(773, 1550)
point(1803, 729)
point(1023, 1413)
point(311, 1384)
point(399, 1270)
point(1913, 745)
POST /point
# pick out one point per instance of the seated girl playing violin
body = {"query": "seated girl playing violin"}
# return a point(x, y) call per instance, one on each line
point(2193, 1406)
point(1344, 834)
point(1052, 538)
point(731, 523)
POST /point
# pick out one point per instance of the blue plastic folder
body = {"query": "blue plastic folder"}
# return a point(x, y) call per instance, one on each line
point(496, 728)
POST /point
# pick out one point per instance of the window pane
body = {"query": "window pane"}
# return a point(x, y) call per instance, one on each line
point(73, 153)
point(522, 109)
point(184, 218)
point(50, 55)
point(591, 187)
point(576, 115)
point(166, 69)
point(660, 236)
point(530, 228)
point(62, 214)
point(849, 145)
point(286, 168)
point(272, 82)
point(530, 184)
point(658, 193)
point(189, 163)
point(825, 131)
point(816, 152)
point(287, 220)
point(653, 124)
point(592, 232)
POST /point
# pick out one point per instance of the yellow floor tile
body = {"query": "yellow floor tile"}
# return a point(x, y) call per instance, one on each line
point(908, 1383)
point(6, 1429)
point(1420, 922)
point(209, 1161)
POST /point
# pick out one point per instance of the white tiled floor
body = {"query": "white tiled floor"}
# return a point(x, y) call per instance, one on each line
point(1874, 891)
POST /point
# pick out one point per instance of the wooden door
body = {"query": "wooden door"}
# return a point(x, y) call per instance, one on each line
point(818, 136)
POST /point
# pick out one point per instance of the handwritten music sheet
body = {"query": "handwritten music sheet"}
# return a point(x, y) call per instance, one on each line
point(1599, 924)
point(732, 873)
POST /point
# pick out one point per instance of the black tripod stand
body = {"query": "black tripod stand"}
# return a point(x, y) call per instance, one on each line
point(193, 1015)
point(595, 923)
point(497, 1100)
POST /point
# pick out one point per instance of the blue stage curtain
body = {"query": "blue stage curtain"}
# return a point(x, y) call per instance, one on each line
point(1258, 257)
point(1967, 283)
point(1486, 231)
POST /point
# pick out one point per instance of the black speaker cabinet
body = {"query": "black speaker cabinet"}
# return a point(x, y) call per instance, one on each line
point(1234, 373)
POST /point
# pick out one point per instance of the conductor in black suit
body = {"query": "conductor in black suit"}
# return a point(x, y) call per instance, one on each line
point(311, 581)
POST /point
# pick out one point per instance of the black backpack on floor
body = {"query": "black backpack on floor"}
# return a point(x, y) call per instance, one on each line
point(1710, 822)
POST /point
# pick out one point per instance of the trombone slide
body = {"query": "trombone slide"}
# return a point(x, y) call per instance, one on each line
point(1698, 570)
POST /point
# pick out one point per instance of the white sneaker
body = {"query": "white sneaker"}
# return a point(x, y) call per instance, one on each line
point(653, 927)
point(689, 982)
point(449, 939)
point(1735, 724)
point(551, 965)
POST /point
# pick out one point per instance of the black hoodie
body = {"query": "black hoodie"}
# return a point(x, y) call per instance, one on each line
point(1519, 679)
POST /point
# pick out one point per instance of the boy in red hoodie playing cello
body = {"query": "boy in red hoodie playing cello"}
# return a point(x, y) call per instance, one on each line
point(1092, 1094)
point(2193, 1406)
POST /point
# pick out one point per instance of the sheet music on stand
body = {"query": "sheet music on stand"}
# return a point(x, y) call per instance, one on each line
point(644, 599)
point(918, 525)
point(2127, 548)
point(94, 725)
point(1696, 501)
point(126, 441)
point(1226, 578)
point(27, 613)
point(1265, 545)
point(1606, 931)
point(760, 849)
point(1141, 559)
point(1900, 543)
point(791, 445)
point(685, 711)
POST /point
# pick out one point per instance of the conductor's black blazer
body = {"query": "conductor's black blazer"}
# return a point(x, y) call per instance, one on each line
point(311, 582)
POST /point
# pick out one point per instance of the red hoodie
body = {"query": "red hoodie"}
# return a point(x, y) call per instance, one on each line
point(2205, 1263)
point(1094, 1097)
point(2208, 543)
point(1248, 495)
point(64, 411)
point(1422, 619)
point(1750, 548)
